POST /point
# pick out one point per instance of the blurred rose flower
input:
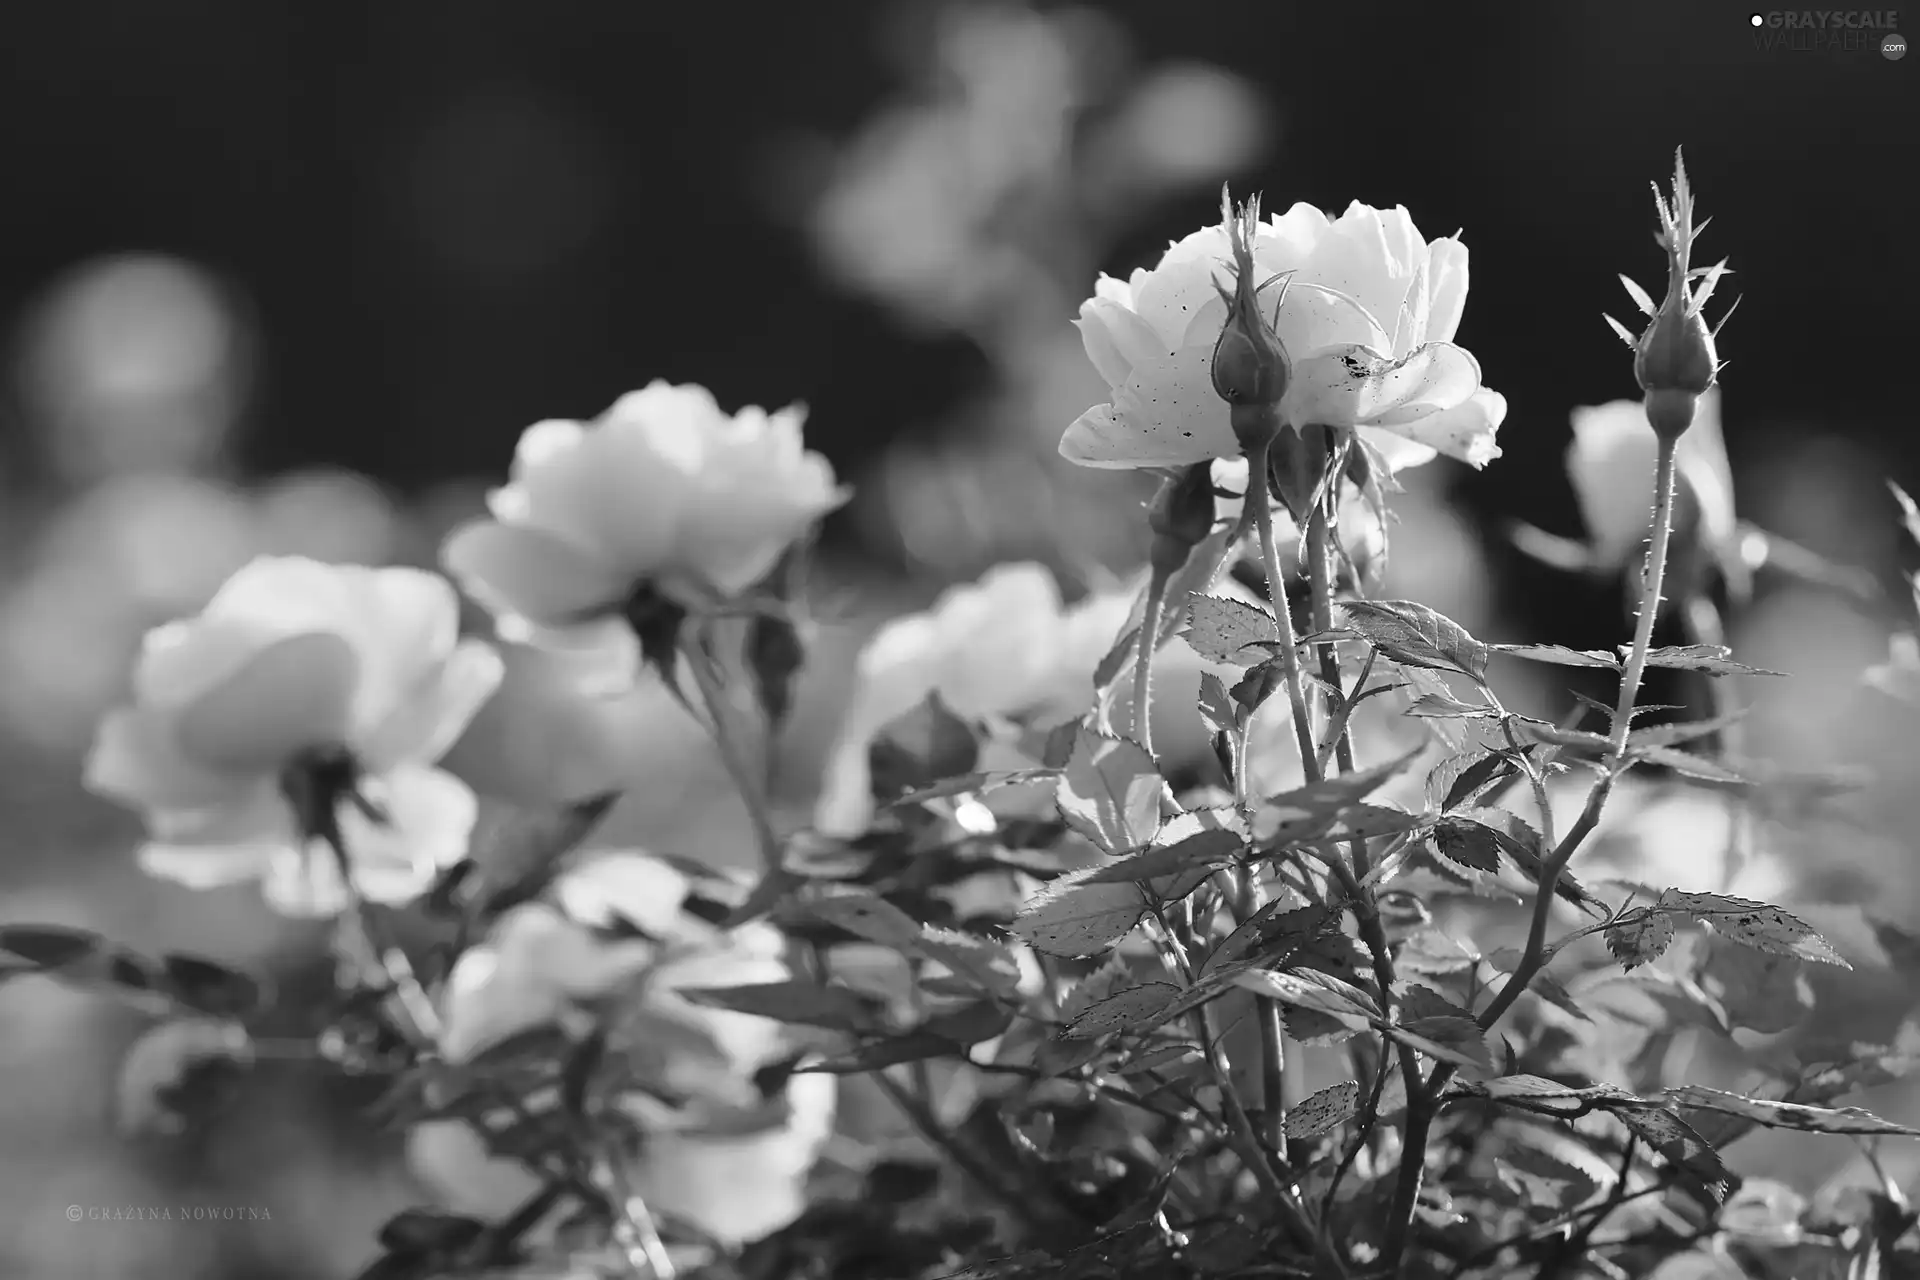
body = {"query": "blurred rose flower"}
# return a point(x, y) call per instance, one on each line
point(1611, 463)
point(1002, 646)
point(291, 664)
point(551, 964)
point(665, 492)
point(1367, 316)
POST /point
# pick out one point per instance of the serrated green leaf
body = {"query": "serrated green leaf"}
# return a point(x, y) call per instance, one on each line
point(1448, 1039)
point(1561, 656)
point(1418, 1001)
point(1638, 937)
point(1311, 989)
point(1756, 924)
point(1272, 934)
point(863, 913)
point(1686, 763)
point(1073, 918)
point(1110, 792)
point(1306, 812)
point(1680, 1145)
point(1204, 849)
point(1220, 630)
point(1789, 1115)
point(807, 1003)
point(1441, 706)
point(209, 987)
point(1708, 659)
point(1216, 704)
point(1125, 1010)
point(1667, 735)
point(1459, 778)
point(1324, 1111)
point(1471, 844)
point(1412, 634)
point(53, 946)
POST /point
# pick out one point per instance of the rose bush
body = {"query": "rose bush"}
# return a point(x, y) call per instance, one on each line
point(559, 964)
point(1262, 949)
point(1366, 314)
point(294, 666)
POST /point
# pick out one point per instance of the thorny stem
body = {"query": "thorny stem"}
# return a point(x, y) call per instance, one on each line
point(1365, 909)
point(1262, 508)
point(420, 1022)
point(718, 722)
point(1272, 1039)
point(1421, 1109)
point(1143, 658)
point(634, 1229)
point(1241, 1135)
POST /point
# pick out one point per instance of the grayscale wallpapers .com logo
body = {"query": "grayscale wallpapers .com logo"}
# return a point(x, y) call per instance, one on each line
point(1829, 31)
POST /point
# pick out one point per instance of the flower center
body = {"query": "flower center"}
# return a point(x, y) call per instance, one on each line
point(656, 620)
point(316, 782)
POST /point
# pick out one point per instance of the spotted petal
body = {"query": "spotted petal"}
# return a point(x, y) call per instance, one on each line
point(1464, 432)
point(1349, 386)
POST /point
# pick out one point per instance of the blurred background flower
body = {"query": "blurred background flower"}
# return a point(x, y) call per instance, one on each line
point(292, 283)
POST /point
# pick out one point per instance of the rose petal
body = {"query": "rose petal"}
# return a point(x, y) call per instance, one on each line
point(403, 625)
point(1447, 285)
point(1357, 257)
point(432, 716)
point(429, 820)
point(1289, 239)
point(1170, 413)
point(531, 572)
point(1116, 338)
point(556, 465)
point(259, 815)
point(1465, 432)
point(741, 1189)
point(1188, 277)
point(1347, 386)
point(293, 695)
point(1312, 317)
point(181, 661)
point(136, 760)
point(1397, 452)
point(452, 1160)
point(1117, 291)
point(206, 868)
point(644, 891)
point(741, 518)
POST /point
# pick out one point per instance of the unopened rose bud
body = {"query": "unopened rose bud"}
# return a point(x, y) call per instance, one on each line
point(1181, 517)
point(1250, 367)
point(1674, 359)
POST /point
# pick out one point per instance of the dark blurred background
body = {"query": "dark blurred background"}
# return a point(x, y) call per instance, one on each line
point(283, 277)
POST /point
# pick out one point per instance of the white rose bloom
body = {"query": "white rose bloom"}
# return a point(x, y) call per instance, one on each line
point(1367, 319)
point(664, 490)
point(543, 965)
point(1001, 646)
point(1612, 462)
point(295, 661)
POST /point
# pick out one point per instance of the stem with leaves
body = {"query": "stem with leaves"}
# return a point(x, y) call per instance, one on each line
point(1365, 910)
point(720, 724)
point(1422, 1107)
point(418, 1021)
point(1143, 658)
